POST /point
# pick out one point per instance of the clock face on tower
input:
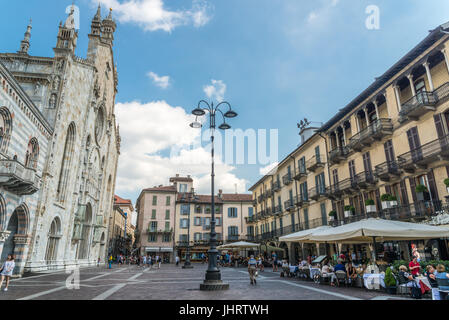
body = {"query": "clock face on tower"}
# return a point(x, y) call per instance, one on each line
point(99, 125)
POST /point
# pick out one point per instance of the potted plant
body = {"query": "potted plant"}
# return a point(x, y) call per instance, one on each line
point(370, 205)
point(349, 210)
point(384, 199)
point(390, 281)
point(393, 201)
point(332, 215)
point(446, 182)
point(420, 190)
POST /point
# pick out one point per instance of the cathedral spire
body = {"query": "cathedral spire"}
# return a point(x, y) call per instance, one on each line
point(109, 27)
point(96, 23)
point(25, 43)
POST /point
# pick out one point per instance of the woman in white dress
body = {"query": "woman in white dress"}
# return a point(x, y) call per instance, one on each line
point(6, 271)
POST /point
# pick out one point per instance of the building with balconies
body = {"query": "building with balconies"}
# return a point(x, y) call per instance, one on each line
point(389, 142)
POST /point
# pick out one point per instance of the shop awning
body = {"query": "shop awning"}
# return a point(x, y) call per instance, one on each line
point(238, 245)
point(383, 230)
point(302, 236)
point(158, 249)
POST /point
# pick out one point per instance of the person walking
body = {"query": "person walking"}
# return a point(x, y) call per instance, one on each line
point(110, 262)
point(275, 261)
point(6, 271)
point(177, 260)
point(159, 261)
point(252, 268)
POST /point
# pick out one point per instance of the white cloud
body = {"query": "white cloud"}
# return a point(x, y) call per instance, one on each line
point(160, 81)
point(322, 14)
point(152, 15)
point(216, 90)
point(265, 170)
point(147, 131)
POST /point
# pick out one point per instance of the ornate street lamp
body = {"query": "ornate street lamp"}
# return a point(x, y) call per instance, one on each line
point(213, 276)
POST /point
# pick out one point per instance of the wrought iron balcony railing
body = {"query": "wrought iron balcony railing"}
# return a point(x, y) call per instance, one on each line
point(338, 154)
point(374, 132)
point(316, 162)
point(289, 205)
point(276, 186)
point(365, 180)
point(417, 105)
point(300, 173)
point(301, 200)
point(318, 192)
point(387, 171)
point(287, 179)
point(421, 157)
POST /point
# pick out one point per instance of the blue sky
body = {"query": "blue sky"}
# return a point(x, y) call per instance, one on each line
point(279, 60)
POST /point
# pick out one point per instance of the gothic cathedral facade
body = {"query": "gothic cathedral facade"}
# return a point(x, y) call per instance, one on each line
point(65, 106)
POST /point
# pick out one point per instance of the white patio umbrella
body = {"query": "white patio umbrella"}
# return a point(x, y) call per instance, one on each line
point(238, 245)
point(303, 236)
point(365, 230)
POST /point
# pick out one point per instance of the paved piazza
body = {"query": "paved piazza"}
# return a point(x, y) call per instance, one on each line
point(175, 283)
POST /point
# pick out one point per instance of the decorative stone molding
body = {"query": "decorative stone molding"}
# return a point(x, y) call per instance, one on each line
point(22, 239)
point(4, 235)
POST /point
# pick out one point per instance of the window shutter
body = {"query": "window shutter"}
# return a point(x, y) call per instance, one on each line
point(439, 125)
point(412, 187)
point(432, 185)
point(404, 193)
point(379, 206)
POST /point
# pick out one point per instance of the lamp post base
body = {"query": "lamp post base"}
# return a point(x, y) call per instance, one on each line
point(214, 285)
point(189, 266)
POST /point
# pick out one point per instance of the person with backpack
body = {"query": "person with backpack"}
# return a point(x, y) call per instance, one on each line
point(252, 269)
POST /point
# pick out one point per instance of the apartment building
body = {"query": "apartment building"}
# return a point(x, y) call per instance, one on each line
point(292, 197)
point(386, 154)
point(173, 218)
point(155, 221)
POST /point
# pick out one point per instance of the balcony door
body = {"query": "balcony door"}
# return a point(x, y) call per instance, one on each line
point(389, 155)
point(420, 88)
point(352, 172)
point(415, 144)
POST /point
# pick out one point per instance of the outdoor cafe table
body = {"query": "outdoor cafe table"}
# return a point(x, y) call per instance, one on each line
point(373, 280)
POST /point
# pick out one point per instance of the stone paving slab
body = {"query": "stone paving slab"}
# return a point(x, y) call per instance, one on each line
point(175, 283)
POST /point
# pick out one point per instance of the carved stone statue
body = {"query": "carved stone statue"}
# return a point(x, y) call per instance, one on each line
point(52, 102)
point(56, 82)
point(37, 89)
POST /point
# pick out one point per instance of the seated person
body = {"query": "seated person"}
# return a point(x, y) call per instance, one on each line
point(442, 274)
point(430, 274)
point(340, 266)
point(325, 269)
point(351, 273)
point(405, 278)
point(285, 266)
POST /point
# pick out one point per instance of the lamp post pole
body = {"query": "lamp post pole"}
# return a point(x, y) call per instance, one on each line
point(213, 276)
point(187, 264)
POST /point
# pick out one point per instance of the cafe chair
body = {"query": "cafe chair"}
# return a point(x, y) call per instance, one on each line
point(341, 277)
point(443, 286)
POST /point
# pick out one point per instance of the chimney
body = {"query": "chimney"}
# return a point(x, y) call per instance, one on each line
point(192, 190)
point(177, 175)
point(220, 193)
point(188, 176)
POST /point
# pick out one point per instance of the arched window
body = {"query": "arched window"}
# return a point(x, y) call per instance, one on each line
point(53, 239)
point(5, 128)
point(32, 154)
point(99, 124)
point(66, 163)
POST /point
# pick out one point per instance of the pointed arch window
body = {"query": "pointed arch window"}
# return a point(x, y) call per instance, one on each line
point(66, 163)
point(32, 154)
point(5, 128)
